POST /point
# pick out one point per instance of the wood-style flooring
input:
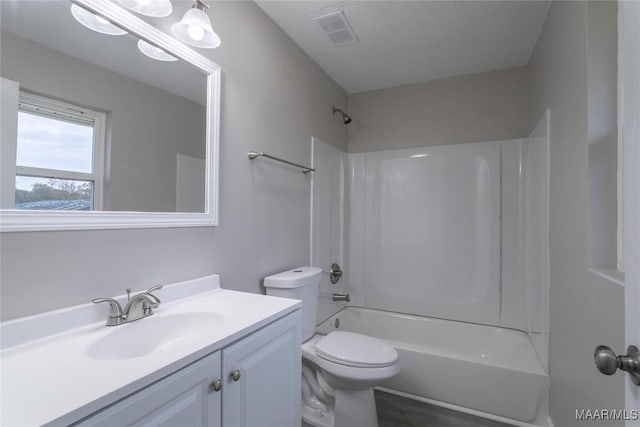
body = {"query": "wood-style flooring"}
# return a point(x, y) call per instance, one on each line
point(396, 411)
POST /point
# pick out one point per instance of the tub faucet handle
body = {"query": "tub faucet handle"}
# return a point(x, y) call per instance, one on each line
point(335, 273)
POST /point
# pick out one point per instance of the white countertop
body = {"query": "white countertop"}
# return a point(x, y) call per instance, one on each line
point(52, 380)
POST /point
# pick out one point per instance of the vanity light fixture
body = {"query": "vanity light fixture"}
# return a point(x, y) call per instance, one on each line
point(154, 8)
point(154, 52)
point(95, 22)
point(195, 27)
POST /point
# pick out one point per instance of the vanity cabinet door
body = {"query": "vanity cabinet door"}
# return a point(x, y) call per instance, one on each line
point(185, 398)
point(262, 377)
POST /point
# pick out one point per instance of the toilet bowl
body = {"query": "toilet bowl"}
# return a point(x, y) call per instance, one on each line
point(351, 365)
point(340, 369)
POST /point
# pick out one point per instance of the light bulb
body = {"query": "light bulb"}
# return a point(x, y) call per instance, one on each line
point(195, 32)
point(101, 20)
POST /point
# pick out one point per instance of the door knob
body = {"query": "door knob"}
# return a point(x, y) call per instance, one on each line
point(608, 363)
point(235, 375)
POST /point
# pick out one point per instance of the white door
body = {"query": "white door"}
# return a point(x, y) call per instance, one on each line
point(629, 72)
point(629, 232)
point(262, 377)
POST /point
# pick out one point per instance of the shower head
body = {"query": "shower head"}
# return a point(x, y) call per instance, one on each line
point(346, 119)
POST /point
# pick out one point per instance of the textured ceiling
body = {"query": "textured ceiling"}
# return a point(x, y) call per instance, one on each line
point(404, 42)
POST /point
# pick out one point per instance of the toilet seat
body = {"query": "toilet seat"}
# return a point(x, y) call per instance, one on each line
point(355, 350)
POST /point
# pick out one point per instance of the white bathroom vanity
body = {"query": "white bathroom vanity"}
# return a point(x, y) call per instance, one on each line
point(206, 357)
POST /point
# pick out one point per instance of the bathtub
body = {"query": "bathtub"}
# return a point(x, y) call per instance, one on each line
point(482, 370)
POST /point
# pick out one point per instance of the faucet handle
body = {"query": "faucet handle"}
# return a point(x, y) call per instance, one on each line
point(115, 311)
point(153, 289)
point(148, 306)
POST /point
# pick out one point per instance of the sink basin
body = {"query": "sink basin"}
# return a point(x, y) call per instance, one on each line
point(153, 334)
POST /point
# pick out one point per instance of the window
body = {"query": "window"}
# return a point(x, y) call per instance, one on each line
point(59, 155)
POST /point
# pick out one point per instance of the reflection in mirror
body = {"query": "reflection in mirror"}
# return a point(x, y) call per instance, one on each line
point(97, 124)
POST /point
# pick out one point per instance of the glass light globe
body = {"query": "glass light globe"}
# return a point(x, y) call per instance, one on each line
point(95, 22)
point(155, 8)
point(154, 52)
point(195, 29)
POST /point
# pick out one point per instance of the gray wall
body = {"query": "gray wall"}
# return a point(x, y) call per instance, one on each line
point(140, 173)
point(274, 98)
point(585, 310)
point(487, 106)
point(602, 81)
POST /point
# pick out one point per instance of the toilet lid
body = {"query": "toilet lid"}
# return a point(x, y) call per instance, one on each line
point(351, 349)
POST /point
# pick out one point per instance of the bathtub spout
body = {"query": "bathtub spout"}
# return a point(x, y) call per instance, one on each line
point(341, 297)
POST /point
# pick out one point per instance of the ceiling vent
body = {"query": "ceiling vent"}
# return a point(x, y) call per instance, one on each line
point(337, 28)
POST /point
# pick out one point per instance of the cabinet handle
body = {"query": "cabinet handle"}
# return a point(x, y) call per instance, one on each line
point(235, 375)
point(216, 385)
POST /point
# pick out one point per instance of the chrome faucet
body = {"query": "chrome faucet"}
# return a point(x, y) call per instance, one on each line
point(138, 306)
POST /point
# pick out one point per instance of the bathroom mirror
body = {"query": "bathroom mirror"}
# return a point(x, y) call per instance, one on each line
point(96, 133)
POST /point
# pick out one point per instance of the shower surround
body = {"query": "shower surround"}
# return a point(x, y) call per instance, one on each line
point(455, 232)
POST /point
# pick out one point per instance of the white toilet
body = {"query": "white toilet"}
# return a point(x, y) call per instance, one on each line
point(339, 370)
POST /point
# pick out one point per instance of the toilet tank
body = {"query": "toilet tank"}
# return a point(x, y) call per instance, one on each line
point(302, 283)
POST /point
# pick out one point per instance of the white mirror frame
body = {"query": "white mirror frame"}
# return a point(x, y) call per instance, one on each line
point(24, 220)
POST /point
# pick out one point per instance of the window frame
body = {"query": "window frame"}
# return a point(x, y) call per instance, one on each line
point(64, 111)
